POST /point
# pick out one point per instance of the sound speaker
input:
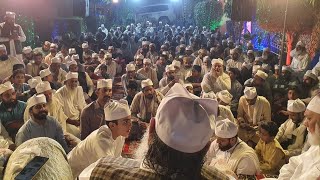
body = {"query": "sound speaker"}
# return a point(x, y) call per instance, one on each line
point(243, 10)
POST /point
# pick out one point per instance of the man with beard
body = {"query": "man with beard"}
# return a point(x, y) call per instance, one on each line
point(35, 66)
point(300, 59)
point(11, 110)
point(169, 80)
point(145, 104)
point(310, 86)
point(111, 66)
point(199, 59)
point(228, 150)
point(138, 61)
point(144, 49)
point(27, 55)
point(71, 96)
point(165, 156)
point(92, 115)
point(12, 35)
point(131, 75)
point(58, 74)
point(216, 80)
point(6, 63)
point(149, 72)
point(152, 54)
point(52, 54)
point(235, 61)
point(108, 140)
point(305, 166)
point(45, 49)
point(40, 124)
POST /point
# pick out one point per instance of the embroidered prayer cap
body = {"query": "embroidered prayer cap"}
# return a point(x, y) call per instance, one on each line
point(10, 14)
point(56, 60)
point(130, 67)
point(314, 104)
point(37, 99)
point(43, 86)
point(311, 75)
point(116, 110)
point(72, 51)
point(296, 106)
point(27, 50)
point(250, 92)
point(226, 129)
point(33, 82)
point(185, 128)
point(176, 63)
point(215, 61)
point(170, 68)
point(71, 75)
point(104, 83)
point(146, 83)
point(3, 47)
point(146, 60)
point(262, 74)
point(45, 73)
point(225, 96)
point(5, 87)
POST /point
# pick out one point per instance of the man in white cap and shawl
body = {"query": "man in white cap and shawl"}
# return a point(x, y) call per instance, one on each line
point(71, 96)
point(12, 35)
point(145, 104)
point(40, 124)
point(59, 75)
point(169, 79)
point(305, 166)
point(6, 62)
point(52, 54)
point(111, 66)
point(252, 109)
point(292, 133)
point(27, 54)
point(149, 72)
point(138, 61)
point(228, 151)
point(259, 81)
point(300, 57)
point(131, 75)
point(92, 116)
point(144, 48)
point(108, 140)
point(235, 61)
point(33, 68)
point(44, 49)
point(310, 85)
point(152, 53)
point(216, 80)
point(165, 156)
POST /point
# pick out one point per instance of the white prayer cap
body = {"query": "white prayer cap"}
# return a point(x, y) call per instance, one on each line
point(95, 55)
point(225, 96)
point(43, 86)
point(314, 104)
point(146, 83)
point(104, 83)
point(71, 75)
point(10, 14)
point(27, 50)
point(214, 61)
point(108, 56)
point(5, 87)
point(37, 99)
point(85, 45)
point(276, 66)
point(139, 56)
point(262, 74)
point(72, 62)
point(47, 43)
point(311, 75)
point(234, 50)
point(266, 49)
point(55, 60)
point(33, 82)
point(146, 60)
point(176, 63)
point(170, 68)
point(300, 43)
point(185, 128)
point(75, 57)
point(130, 67)
point(210, 95)
point(72, 51)
point(188, 48)
point(246, 65)
point(52, 45)
point(296, 106)
point(182, 45)
point(255, 68)
point(250, 52)
point(250, 92)
point(116, 110)
point(3, 47)
point(206, 58)
point(187, 85)
point(45, 73)
point(145, 43)
point(226, 129)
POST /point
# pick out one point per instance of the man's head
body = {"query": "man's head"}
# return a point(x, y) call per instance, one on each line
point(132, 88)
point(131, 71)
point(118, 117)
point(217, 66)
point(268, 131)
point(27, 52)
point(37, 57)
point(46, 46)
point(10, 17)
point(293, 93)
point(300, 48)
point(170, 72)
point(46, 75)
point(260, 77)
point(72, 80)
point(147, 88)
point(85, 47)
point(53, 49)
point(38, 107)
point(234, 53)
point(312, 122)
point(189, 50)
point(8, 94)
point(310, 79)
point(72, 51)
point(152, 47)
point(224, 97)
point(139, 60)
point(73, 66)
point(250, 93)
point(110, 49)
point(45, 89)
point(18, 76)
point(296, 110)
point(286, 72)
point(108, 58)
point(104, 90)
point(196, 71)
point(187, 62)
point(227, 134)
point(102, 53)
point(3, 53)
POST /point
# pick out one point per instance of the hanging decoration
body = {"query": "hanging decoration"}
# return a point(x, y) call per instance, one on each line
point(208, 13)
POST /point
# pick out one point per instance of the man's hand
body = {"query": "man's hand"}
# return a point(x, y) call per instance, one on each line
point(71, 140)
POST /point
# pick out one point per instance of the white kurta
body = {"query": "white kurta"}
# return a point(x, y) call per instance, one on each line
point(97, 145)
point(300, 62)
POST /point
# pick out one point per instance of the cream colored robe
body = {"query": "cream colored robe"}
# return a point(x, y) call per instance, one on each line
point(7, 66)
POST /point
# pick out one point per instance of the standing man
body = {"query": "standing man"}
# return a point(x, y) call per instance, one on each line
point(12, 35)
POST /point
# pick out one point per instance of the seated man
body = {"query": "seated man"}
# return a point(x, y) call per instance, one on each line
point(169, 80)
point(224, 99)
point(40, 124)
point(230, 151)
point(262, 86)
point(6, 63)
point(149, 72)
point(34, 67)
point(59, 75)
point(111, 66)
point(145, 103)
point(292, 133)
point(252, 109)
point(131, 75)
point(107, 140)
point(11, 110)
point(311, 86)
point(71, 96)
point(216, 80)
point(186, 151)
